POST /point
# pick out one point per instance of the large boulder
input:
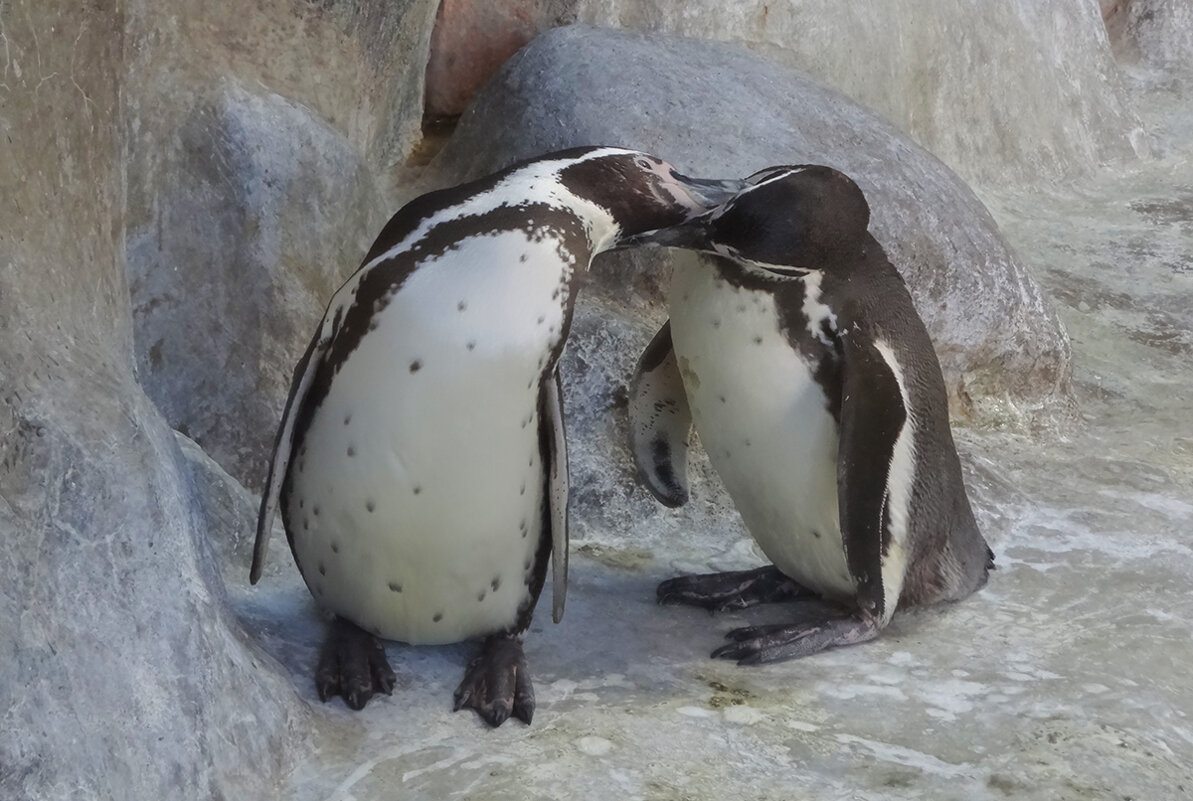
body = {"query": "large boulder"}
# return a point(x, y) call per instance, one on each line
point(265, 137)
point(271, 210)
point(713, 110)
point(717, 109)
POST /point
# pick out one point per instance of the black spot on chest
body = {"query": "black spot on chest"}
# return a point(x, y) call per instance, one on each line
point(538, 221)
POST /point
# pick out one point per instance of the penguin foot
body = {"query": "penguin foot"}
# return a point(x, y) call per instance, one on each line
point(352, 664)
point(758, 645)
point(738, 589)
point(497, 683)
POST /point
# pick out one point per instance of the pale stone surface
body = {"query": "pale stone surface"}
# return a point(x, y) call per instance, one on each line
point(999, 91)
point(1154, 33)
point(717, 110)
point(1015, 90)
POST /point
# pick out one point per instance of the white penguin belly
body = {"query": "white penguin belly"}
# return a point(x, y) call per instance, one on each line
point(416, 502)
point(764, 422)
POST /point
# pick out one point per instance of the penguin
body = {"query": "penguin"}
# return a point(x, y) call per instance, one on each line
point(794, 349)
point(420, 466)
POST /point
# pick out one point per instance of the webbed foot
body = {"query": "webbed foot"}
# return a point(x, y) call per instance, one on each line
point(497, 683)
point(757, 645)
point(352, 664)
point(738, 589)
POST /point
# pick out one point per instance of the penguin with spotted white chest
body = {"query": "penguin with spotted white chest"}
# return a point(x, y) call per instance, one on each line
point(794, 349)
point(420, 466)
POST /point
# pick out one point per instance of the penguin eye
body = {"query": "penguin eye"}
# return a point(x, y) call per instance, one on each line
point(644, 163)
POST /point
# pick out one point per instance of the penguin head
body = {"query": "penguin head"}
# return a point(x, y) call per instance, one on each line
point(642, 192)
point(787, 221)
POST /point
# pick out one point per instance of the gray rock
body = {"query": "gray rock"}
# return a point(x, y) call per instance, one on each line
point(227, 510)
point(1008, 91)
point(124, 674)
point(716, 109)
point(1157, 34)
point(264, 139)
point(270, 211)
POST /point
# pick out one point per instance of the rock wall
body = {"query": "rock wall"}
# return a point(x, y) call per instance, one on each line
point(285, 159)
point(1000, 91)
point(124, 674)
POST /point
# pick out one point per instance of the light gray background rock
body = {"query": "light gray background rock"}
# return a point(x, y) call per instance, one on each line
point(288, 200)
point(1157, 34)
point(962, 79)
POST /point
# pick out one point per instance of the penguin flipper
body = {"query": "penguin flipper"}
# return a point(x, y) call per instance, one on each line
point(875, 469)
point(300, 384)
point(661, 421)
point(557, 494)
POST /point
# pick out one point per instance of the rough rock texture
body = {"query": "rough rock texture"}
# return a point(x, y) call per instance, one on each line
point(266, 217)
point(1014, 90)
point(998, 91)
point(123, 675)
point(471, 39)
point(1153, 33)
point(714, 109)
point(261, 138)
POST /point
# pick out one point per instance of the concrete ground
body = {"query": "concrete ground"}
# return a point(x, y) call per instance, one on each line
point(1067, 677)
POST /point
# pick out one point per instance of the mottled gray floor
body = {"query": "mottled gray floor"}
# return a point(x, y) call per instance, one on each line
point(1067, 677)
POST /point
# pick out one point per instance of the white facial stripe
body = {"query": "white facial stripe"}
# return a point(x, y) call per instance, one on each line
point(778, 176)
point(900, 478)
point(766, 269)
point(514, 188)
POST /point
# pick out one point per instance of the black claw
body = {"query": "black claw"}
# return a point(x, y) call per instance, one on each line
point(497, 684)
point(384, 679)
point(751, 659)
point(738, 589)
point(733, 651)
point(357, 698)
point(496, 714)
point(524, 714)
point(523, 697)
point(326, 688)
point(756, 645)
point(352, 664)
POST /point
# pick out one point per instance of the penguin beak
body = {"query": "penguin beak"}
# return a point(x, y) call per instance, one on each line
point(692, 234)
point(709, 192)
